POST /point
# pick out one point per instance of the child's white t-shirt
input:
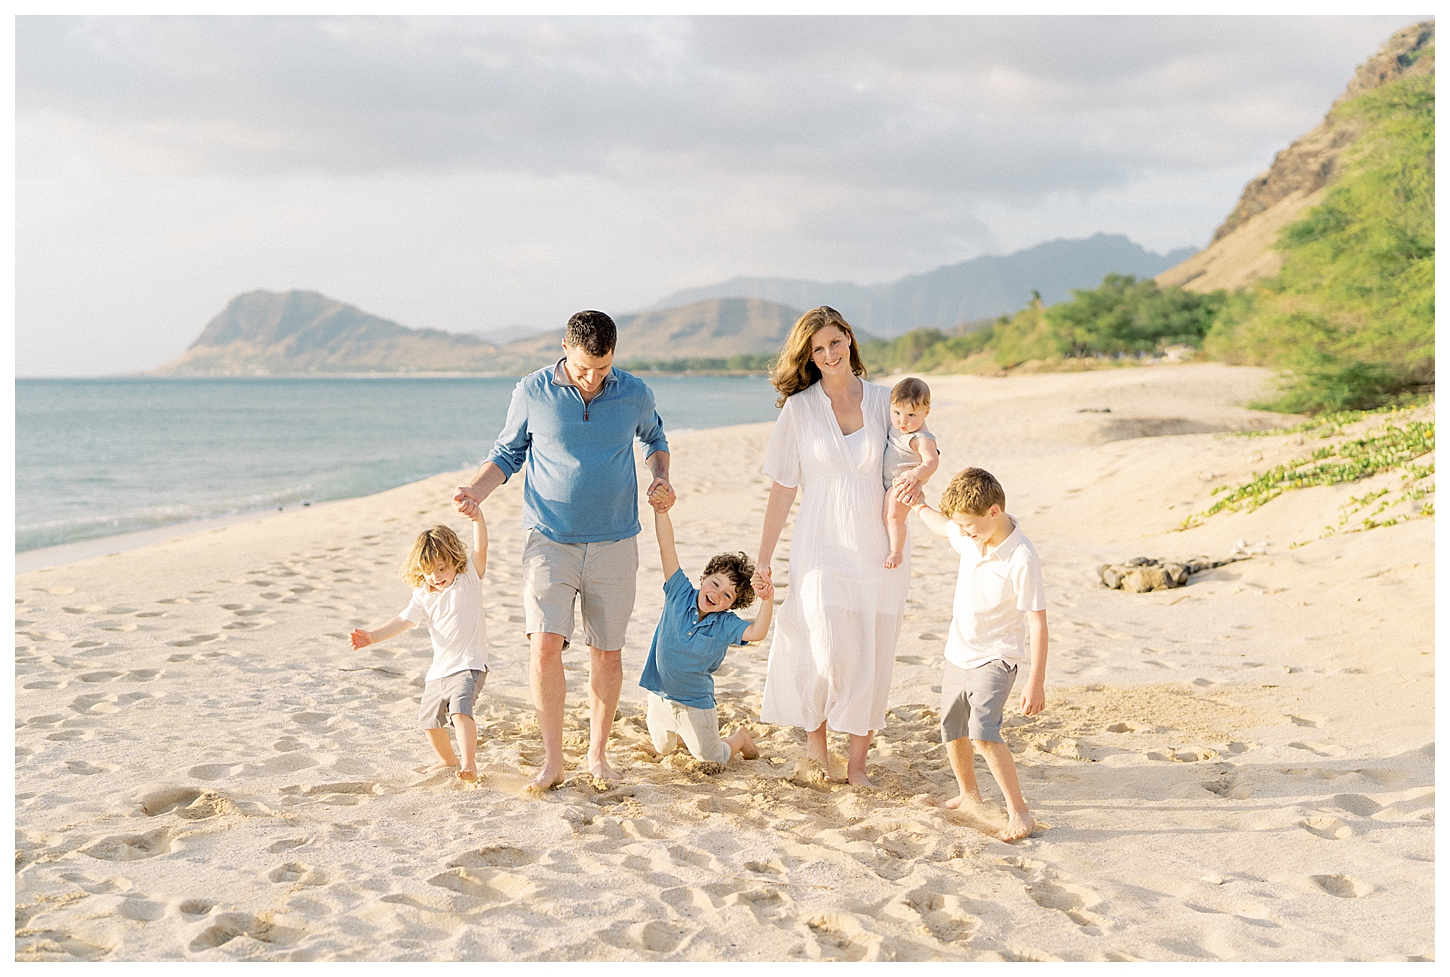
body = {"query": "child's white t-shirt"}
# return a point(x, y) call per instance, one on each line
point(456, 623)
point(994, 591)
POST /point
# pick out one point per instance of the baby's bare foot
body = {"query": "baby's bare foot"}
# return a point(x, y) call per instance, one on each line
point(893, 561)
point(1019, 826)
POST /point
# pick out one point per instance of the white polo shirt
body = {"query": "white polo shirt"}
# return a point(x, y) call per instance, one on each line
point(456, 623)
point(994, 591)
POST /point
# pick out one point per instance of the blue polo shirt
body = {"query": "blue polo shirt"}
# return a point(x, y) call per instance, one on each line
point(688, 648)
point(578, 458)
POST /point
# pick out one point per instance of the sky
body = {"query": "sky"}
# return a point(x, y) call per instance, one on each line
point(496, 174)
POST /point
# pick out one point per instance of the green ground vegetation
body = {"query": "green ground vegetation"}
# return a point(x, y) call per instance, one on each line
point(1395, 443)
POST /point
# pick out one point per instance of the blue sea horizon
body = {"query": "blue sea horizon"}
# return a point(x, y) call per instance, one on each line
point(97, 457)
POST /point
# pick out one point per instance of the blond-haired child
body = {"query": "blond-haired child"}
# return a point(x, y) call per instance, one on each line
point(998, 615)
point(910, 459)
point(448, 598)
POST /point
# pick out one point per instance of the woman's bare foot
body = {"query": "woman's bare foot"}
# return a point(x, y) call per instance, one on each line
point(893, 560)
point(972, 801)
point(857, 778)
point(1019, 826)
point(469, 775)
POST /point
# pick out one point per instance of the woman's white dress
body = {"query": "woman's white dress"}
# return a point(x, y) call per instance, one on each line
point(835, 638)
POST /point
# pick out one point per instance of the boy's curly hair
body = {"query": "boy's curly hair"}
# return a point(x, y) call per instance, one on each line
point(432, 546)
point(973, 491)
point(739, 568)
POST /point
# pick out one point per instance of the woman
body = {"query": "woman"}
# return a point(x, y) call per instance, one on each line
point(835, 639)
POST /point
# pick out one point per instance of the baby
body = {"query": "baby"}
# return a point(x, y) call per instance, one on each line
point(448, 598)
point(909, 461)
point(696, 628)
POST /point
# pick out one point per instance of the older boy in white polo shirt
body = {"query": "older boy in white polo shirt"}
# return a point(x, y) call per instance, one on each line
point(998, 614)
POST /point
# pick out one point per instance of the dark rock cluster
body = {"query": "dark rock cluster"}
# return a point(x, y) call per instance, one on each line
point(1142, 574)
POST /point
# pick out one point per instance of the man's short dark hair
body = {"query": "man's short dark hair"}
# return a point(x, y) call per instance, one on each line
point(591, 331)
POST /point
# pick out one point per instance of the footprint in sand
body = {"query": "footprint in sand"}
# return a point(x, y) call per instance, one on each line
point(1343, 886)
point(1356, 804)
point(229, 926)
point(89, 769)
point(287, 844)
point(942, 916)
point(1077, 902)
point(196, 907)
point(96, 703)
point(297, 873)
point(494, 856)
point(838, 936)
point(130, 848)
point(85, 609)
point(1331, 828)
point(195, 639)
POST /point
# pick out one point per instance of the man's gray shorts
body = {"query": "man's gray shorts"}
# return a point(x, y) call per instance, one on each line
point(601, 574)
point(972, 700)
point(448, 696)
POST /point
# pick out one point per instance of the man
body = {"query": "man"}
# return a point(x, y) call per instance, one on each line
point(572, 428)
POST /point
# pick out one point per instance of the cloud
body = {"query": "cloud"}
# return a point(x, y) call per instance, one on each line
point(1018, 107)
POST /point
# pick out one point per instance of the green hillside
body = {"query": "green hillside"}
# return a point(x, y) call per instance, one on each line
point(1352, 312)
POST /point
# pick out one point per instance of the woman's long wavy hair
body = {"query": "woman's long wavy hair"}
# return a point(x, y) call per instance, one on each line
point(794, 370)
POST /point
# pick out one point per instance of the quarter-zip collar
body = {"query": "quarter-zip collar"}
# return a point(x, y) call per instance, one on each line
point(560, 378)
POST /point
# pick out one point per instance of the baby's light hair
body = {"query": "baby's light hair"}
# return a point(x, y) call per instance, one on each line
point(911, 391)
point(739, 569)
point(433, 546)
point(973, 491)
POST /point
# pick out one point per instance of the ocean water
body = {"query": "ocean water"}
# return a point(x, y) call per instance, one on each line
point(100, 457)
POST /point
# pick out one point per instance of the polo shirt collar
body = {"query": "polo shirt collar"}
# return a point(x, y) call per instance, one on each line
point(1004, 549)
point(561, 379)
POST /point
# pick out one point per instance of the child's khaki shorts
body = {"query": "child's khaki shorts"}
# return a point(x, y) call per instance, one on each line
point(449, 696)
point(972, 700)
point(670, 722)
point(601, 574)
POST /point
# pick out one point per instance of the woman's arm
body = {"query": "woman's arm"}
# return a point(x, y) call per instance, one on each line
point(757, 631)
point(665, 534)
point(777, 511)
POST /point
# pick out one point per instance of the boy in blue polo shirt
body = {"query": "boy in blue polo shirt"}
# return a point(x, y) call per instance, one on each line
point(696, 628)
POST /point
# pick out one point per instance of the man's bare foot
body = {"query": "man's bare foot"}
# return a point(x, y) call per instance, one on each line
point(601, 770)
point(968, 802)
point(1019, 826)
point(468, 775)
point(438, 767)
point(893, 561)
point(857, 778)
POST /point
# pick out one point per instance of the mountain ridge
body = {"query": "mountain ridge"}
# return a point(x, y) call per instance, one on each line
point(978, 288)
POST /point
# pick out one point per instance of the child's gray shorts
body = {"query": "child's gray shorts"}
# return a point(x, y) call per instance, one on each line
point(671, 722)
point(972, 700)
point(449, 695)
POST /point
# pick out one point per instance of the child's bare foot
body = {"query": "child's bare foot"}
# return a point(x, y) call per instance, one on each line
point(547, 779)
point(972, 801)
point(1019, 826)
point(893, 560)
point(438, 767)
point(740, 742)
point(469, 775)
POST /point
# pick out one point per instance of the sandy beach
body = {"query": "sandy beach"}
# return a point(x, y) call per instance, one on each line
point(1241, 769)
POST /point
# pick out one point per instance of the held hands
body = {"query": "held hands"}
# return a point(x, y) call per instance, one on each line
point(466, 505)
point(360, 638)
point(762, 586)
point(466, 493)
point(660, 495)
point(907, 489)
